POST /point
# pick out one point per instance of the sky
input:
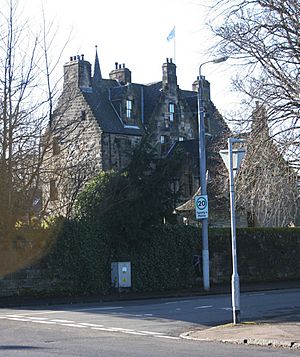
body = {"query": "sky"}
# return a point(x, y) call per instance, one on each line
point(135, 32)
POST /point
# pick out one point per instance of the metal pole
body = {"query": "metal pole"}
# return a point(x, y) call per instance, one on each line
point(235, 280)
point(202, 164)
point(202, 171)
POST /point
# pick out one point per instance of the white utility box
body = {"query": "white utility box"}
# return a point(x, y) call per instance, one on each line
point(121, 274)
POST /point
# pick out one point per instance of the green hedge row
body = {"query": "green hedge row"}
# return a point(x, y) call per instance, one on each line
point(80, 259)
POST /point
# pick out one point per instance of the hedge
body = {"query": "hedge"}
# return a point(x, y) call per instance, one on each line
point(163, 258)
point(74, 258)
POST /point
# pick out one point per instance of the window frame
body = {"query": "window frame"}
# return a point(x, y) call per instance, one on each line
point(129, 108)
point(171, 110)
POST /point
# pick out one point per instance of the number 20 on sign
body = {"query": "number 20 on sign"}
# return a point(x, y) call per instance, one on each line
point(201, 206)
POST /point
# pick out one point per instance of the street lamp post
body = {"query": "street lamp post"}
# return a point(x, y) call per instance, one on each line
point(232, 159)
point(202, 169)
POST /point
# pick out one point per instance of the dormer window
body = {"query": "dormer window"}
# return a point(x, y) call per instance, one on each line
point(128, 108)
point(171, 111)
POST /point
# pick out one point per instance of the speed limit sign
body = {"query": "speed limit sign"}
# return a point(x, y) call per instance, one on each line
point(201, 206)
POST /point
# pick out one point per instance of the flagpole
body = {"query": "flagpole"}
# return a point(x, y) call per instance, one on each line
point(170, 37)
point(174, 46)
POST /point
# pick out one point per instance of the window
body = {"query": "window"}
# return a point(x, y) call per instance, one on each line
point(171, 111)
point(181, 138)
point(53, 191)
point(128, 108)
point(164, 141)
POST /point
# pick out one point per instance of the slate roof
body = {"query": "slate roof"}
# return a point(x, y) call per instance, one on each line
point(104, 112)
point(152, 93)
point(103, 100)
point(107, 94)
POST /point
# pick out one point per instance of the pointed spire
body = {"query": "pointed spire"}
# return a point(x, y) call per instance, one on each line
point(97, 71)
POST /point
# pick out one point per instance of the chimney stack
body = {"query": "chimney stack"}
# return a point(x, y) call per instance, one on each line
point(121, 74)
point(77, 72)
point(169, 79)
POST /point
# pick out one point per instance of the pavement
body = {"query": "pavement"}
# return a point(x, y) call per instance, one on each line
point(273, 332)
point(282, 333)
point(269, 333)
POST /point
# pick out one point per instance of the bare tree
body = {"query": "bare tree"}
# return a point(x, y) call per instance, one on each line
point(264, 35)
point(28, 93)
point(267, 185)
point(19, 127)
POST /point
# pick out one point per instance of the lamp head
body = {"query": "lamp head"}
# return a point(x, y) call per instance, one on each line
point(221, 59)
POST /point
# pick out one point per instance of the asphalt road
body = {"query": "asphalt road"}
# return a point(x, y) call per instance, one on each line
point(136, 328)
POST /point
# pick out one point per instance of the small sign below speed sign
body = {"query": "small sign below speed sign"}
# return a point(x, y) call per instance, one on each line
point(201, 206)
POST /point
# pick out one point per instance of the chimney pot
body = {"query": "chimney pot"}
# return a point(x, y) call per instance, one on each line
point(82, 57)
point(120, 66)
point(78, 57)
point(116, 64)
point(123, 65)
point(167, 60)
point(171, 60)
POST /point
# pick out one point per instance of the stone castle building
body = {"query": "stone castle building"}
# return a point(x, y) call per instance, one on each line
point(99, 120)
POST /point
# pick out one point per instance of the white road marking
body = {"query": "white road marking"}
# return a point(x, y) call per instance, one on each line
point(226, 308)
point(148, 314)
point(169, 337)
point(90, 325)
point(121, 329)
point(103, 329)
point(101, 308)
point(203, 307)
point(74, 325)
point(176, 302)
point(14, 315)
point(17, 319)
point(43, 312)
point(44, 322)
point(135, 333)
point(152, 333)
point(71, 323)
